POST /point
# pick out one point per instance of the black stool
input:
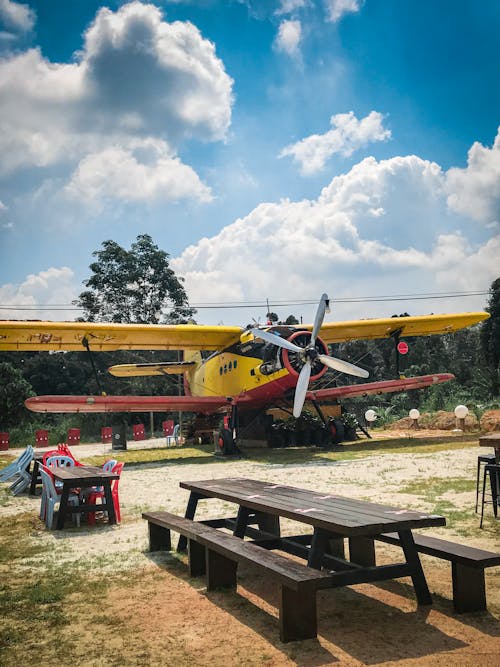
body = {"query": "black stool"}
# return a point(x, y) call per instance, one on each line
point(483, 458)
point(493, 470)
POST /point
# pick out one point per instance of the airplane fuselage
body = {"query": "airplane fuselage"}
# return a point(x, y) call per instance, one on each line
point(251, 372)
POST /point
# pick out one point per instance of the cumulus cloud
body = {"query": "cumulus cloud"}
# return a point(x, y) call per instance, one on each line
point(118, 173)
point(347, 135)
point(51, 287)
point(336, 9)
point(16, 16)
point(475, 190)
point(288, 38)
point(137, 78)
point(383, 227)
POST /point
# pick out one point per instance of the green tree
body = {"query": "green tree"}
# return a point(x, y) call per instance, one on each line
point(490, 337)
point(135, 285)
point(13, 390)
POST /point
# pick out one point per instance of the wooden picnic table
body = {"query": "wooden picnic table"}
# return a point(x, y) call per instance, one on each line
point(84, 477)
point(332, 518)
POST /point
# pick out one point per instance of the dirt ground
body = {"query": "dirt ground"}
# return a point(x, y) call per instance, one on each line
point(166, 618)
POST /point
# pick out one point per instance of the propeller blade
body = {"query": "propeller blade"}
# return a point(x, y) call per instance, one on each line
point(301, 388)
point(318, 320)
point(276, 340)
point(343, 366)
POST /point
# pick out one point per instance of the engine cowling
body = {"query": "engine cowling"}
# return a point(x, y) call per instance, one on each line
point(293, 362)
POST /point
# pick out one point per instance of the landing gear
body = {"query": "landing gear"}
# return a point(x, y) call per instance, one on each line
point(227, 446)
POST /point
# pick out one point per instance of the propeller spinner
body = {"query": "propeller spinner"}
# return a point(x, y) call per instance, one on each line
point(309, 355)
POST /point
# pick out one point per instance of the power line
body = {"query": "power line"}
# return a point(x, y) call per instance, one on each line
point(279, 303)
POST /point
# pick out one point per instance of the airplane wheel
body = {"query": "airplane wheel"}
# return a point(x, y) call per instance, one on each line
point(226, 443)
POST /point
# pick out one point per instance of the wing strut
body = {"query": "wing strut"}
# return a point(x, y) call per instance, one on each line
point(85, 343)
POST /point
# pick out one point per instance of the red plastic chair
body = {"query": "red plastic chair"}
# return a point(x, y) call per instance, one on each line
point(93, 497)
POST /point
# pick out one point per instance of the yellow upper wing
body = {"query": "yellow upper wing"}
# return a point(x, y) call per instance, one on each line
point(420, 325)
point(71, 336)
point(33, 335)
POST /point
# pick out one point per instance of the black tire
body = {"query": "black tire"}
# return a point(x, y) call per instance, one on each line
point(226, 442)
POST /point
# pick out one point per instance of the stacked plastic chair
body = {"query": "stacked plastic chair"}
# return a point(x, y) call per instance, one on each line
point(19, 472)
point(62, 448)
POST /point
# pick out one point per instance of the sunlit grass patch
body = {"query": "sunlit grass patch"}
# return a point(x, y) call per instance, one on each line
point(17, 538)
point(199, 454)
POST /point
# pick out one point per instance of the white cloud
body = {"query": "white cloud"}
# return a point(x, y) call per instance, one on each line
point(288, 38)
point(336, 9)
point(348, 134)
point(137, 78)
point(381, 228)
point(289, 6)
point(16, 16)
point(475, 190)
point(117, 173)
point(54, 286)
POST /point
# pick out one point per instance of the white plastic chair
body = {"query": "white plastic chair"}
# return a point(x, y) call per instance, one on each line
point(59, 461)
point(109, 465)
point(174, 438)
point(50, 498)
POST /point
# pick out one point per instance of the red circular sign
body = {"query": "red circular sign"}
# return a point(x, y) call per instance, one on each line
point(403, 347)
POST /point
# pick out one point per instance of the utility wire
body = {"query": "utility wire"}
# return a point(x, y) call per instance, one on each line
point(276, 303)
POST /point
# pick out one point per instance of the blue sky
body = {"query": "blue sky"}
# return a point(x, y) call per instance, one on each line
point(275, 149)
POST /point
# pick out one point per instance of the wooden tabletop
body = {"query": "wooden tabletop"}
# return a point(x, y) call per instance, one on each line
point(83, 474)
point(332, 512)
point(490, 440)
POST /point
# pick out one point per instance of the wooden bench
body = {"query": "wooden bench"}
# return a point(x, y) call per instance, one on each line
point(467, 567)
point(217, 554)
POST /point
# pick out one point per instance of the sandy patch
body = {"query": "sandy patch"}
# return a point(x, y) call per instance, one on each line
point(171, 619)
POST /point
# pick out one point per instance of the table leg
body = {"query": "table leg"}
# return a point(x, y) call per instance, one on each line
point(189, 514)
point(319, 545)
point(269, 523)
point(109, 501)
point(416, 572)
point(63, 506)
point(241, 521)
point(34, 477)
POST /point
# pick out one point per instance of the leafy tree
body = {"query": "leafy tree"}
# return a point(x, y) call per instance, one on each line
point(490, 337)
point(13, 390)
point(135, 285)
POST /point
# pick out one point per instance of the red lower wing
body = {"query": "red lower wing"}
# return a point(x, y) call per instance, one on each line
point(383, 387)
point(203, 404)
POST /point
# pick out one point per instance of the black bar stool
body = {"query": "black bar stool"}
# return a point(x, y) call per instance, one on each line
point(493, 471)
point(482, 458)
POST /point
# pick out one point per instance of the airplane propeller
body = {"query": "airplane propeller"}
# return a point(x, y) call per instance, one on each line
point(309, 355)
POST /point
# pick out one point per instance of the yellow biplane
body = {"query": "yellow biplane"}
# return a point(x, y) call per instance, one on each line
point(228, 368)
